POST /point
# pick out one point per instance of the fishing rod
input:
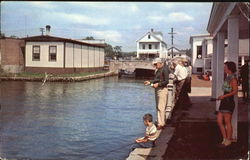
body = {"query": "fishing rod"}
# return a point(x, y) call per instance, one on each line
point(117, 149)
point(45, 78)
point(114, 150)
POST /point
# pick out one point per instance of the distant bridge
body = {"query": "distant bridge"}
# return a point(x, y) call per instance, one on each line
point(141, 68)
point(130, 65)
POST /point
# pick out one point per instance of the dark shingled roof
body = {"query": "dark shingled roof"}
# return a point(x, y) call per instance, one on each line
point(46, 38)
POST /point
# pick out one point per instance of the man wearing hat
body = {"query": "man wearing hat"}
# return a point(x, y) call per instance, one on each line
point(160, 84)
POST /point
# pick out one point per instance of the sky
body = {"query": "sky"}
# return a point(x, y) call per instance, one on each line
point(118, 23)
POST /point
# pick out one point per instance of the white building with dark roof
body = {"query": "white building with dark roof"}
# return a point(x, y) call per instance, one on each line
point(201, 49)
point(61, 55)
point(151, 45)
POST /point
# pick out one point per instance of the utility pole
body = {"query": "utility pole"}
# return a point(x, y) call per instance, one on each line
point(26, 25)
point(172, 41)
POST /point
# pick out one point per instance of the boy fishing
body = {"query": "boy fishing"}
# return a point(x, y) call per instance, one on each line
point(148, 141)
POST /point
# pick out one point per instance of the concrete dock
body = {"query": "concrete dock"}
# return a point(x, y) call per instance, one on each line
point(178, 141)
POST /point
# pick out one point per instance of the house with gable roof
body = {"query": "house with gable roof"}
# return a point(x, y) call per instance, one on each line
point(59, 55)
point(52, 54)
point(177, 53)
point(151, 45)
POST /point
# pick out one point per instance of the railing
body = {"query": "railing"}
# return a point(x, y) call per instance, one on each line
point(171, 97)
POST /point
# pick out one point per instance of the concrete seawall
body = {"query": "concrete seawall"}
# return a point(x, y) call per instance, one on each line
point(59, 79)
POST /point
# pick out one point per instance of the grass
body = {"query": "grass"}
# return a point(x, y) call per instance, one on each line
point(41, 75)
point(83, 74)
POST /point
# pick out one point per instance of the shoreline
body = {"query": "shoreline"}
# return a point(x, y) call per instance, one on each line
point(60, 79)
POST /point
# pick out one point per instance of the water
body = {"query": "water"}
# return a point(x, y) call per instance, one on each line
point(91, 120)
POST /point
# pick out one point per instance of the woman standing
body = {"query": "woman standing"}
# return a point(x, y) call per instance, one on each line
point(226, 108)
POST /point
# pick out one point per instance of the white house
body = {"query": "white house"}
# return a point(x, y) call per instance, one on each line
point(202, 52)
point(201, 49)
point(60, 55)
point(228, 20)
point(207, 51)
point(177, 53)
point(151, 45)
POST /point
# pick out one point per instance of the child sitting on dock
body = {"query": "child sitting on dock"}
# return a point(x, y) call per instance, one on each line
point(148, 141)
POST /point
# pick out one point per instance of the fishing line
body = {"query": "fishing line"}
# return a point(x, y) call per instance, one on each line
point(45, 79)
point(117, 149)
point(114, 150)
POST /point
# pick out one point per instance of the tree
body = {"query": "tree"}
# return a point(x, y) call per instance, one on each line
point(112, 52)
point(89, 38)
point(2, 35)
point(118, 51)
point(129, 54)
point(108, 49)
point(188, 52)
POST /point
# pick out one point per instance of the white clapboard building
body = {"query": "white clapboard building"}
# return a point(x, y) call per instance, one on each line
point(61, 55)
point(151, 45)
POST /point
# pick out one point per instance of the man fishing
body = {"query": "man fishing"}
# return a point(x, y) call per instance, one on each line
point(160, 83)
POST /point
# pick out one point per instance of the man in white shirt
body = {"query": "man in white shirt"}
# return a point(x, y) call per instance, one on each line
point(181, 74)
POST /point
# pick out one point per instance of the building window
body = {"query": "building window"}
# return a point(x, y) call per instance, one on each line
point(143, 46)
point(156, 46)
point(150, 46)
point(52, 53)
point(199, 52)
point(36, 53)
point(149, 36)
point(199, 69)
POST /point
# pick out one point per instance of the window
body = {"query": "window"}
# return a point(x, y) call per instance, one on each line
point(36, 53)
point(143, 46)
point(150, 46)
point(149, 36)
point(199, 52)
point(199, 69)
point(156, 46)
point(52, 53)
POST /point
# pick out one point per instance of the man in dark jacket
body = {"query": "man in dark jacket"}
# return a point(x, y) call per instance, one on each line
point(244, 72)
point(160, 84)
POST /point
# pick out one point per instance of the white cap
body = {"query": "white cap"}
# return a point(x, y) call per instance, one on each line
point(157, 60)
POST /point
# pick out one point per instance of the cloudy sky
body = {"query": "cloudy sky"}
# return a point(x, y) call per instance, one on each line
point(119, 23)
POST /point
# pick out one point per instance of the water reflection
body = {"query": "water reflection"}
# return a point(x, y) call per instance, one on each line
point(84, 120)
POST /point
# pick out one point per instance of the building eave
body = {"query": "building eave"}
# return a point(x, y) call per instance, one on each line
point(46, 38)
point(218, 16)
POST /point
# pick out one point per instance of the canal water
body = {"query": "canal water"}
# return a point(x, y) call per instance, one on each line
point(89, 120)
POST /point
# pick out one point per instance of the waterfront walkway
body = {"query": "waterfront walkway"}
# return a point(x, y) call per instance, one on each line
point(193, 132)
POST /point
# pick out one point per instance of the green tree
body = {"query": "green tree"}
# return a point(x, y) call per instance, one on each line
point(188, 52)
point(89, 38)
point(129, 54)
point(2, 35)
point(109, 52)
point(118, 51)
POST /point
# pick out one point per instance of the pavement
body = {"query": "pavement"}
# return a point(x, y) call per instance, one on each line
point(193, 133)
